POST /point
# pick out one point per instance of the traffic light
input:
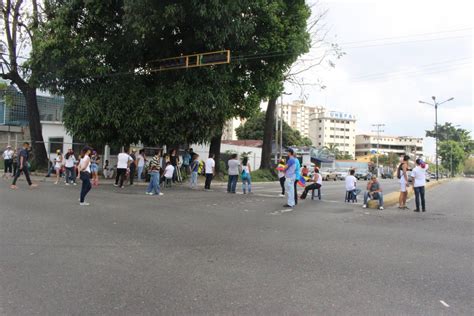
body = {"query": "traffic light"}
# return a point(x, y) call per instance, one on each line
point(195, 60)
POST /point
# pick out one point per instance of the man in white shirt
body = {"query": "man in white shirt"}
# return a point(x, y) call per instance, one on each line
point(351, 183)
point(210, 166)
point(123, 163)
point(8, 160)
point(419, 181)
point(233, 172)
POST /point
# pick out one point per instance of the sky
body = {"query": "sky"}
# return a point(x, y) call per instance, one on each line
point(396, 53)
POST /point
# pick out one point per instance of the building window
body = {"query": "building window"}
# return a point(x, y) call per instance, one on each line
point(55, 143)
point(319, 136)
point(320, 121)
point(319, 144)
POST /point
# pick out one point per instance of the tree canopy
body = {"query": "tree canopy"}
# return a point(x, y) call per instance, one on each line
point(253, 129)
point(448, 132)
point(101, 55)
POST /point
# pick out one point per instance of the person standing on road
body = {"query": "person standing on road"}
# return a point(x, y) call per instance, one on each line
point(419, 181)
point(8, 161)
point(290, 176)
point(23, 167)
point(374, 192)
point(154, 186)
point(141, 158)
point(246, 178)
point(233, 172)
point(85, 174)
point(133, 166)
point(123, 162)
point(210, 169)
point(58, 165)
point(174, 159)
point(402, 174)
point(95, 161)
point(318, 182)
point(297, 178)
point(187, 159)
point(70, 163)
point(281, 176)
point(194, 171)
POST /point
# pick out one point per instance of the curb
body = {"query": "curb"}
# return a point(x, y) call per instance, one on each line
point(391, 199)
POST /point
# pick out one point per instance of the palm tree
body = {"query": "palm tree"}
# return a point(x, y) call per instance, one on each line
point(332, 148)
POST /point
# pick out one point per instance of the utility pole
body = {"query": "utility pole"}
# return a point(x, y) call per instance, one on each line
point(378, 126)
point(436, 104)
point(276, 133)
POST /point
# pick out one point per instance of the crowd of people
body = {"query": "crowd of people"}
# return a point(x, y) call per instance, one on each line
point(166, 169)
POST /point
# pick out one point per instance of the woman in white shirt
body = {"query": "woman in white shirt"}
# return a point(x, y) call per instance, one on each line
point(58, 164)
point(141, 164)
point(85, 174)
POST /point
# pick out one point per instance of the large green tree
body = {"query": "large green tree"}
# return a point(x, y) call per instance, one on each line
point(448, 131)
point(101, 55)
point(20, 21)
point(452, 156)
point(253, 128)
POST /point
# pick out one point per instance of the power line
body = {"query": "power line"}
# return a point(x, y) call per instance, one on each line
point(408, 42)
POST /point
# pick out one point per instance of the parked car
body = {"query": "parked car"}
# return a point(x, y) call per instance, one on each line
point(363, 174)
point(387, 175)
point(328, 174)
point(341, 174)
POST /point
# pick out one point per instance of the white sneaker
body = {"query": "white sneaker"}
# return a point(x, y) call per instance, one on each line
point(115, 185)
point(84, 204)
point(381, 208)
point(74, 183)
point(281, 195)
point(149, 193)
point(162, 193)
point(67, 183)
point(364, 206)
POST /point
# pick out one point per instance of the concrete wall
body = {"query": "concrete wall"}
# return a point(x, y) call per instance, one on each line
point(55, 130)
point(255, 156)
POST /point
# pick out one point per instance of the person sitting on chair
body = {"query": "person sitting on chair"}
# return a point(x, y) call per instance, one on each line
point(316, 185)
point(374, 192)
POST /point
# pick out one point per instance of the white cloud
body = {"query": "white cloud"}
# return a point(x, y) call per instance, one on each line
point(411, 70)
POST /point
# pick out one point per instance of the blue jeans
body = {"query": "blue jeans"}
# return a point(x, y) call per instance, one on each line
point(420, 193)
point(71, 174)
point(154, 185)
point(290, 191)
point(377, 196)
point(140, 173)
point(232, 183)
point(86, 185)
point(247, 183)
point(194, 179)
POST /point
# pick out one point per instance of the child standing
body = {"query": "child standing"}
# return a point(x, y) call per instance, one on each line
point(194, 171)
point(154, 186)
point(169, 172)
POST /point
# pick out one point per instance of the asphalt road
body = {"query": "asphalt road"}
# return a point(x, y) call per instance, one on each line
point(195, 252)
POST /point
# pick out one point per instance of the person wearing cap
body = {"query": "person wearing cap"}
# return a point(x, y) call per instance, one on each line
point(402, 174)
point(290, 178)
point(374, 192)
point(419, 181)
point(58, 164)
point(8, 161)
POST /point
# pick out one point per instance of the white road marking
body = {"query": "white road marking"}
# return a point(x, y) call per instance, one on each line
point(444, 303)
point(287, 210)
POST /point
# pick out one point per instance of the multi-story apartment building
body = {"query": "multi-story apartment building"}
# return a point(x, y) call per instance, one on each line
point(332, 128)
point(297, 115)
point(367, 145)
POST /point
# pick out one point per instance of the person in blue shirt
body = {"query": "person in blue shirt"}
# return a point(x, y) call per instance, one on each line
point(297, 178)
point(290, 176)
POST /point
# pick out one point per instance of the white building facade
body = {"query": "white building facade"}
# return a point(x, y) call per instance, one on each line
point(333, 128)
point(400, 145)
point(297, 115)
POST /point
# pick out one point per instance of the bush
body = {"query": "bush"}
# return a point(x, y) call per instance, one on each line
point(263, 175)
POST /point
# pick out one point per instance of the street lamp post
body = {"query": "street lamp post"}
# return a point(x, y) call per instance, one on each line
point(436, 104)
point(378, 126)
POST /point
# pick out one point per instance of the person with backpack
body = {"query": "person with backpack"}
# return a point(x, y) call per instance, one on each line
point(402, 175)
point(245, 176)
point(23, 157)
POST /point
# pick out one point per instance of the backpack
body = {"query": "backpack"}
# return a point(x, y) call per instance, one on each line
point(244, 175)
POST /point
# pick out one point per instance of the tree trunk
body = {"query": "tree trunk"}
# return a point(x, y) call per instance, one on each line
point(266, 162)
point(215, 148)
point(40, 156)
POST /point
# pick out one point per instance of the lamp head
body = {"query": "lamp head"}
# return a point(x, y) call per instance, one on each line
point(450, 99)
point(434, 98)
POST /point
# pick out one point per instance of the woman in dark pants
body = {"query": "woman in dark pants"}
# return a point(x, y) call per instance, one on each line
point(174, 161)
point(85, 174)
point(281, 176)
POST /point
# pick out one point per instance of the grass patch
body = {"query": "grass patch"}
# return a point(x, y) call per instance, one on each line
point(263, 175)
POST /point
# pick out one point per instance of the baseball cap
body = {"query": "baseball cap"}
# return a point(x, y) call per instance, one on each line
point(290, 150)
